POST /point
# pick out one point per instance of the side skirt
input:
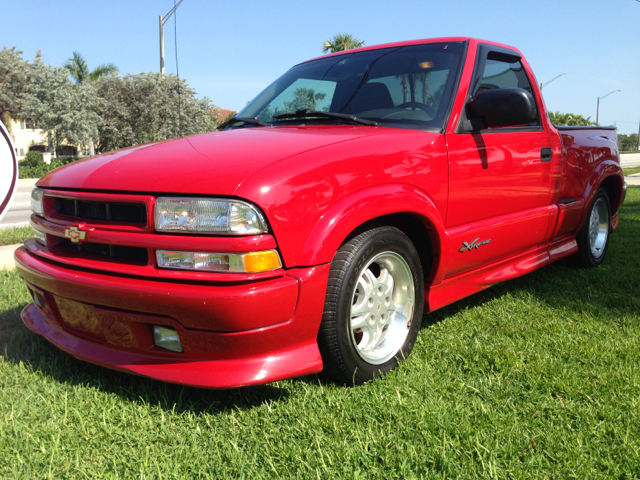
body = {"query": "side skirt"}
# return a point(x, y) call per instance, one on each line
point(460, 286)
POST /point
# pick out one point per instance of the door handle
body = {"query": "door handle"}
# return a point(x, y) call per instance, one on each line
point(545, 154)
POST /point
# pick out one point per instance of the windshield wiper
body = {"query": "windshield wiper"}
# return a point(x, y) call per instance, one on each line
point(318, 114)
point(247, 120)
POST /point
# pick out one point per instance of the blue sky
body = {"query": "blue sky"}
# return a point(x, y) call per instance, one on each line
point(230, 51)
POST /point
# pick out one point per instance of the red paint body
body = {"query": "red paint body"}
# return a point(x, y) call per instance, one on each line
point(316, 184)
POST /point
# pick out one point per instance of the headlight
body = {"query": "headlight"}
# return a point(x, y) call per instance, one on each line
point(202, 215)
point(36, 201)
point(253, 262)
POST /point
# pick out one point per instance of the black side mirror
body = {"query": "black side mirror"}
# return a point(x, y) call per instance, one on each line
point(502, 107)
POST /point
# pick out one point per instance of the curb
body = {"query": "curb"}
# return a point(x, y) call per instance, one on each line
point(14, 225)
point(27, 181)
point(6, 256)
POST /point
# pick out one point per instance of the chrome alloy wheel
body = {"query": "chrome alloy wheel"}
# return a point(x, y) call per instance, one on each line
point(598, 228)
point(382, 307)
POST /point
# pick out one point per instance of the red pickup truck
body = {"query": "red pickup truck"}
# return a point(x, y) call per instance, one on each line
point(312, 231)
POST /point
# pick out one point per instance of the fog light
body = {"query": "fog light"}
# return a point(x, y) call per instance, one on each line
point(167, 337)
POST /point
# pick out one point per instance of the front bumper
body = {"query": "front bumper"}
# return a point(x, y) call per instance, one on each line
point(107, 319)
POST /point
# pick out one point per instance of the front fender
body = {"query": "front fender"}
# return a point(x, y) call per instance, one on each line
point(363, 206)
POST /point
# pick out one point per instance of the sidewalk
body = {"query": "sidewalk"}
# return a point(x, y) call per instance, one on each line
point(6, 256)
point(632, 180)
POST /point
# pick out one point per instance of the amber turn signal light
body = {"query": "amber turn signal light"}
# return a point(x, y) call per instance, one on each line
point(261, 261)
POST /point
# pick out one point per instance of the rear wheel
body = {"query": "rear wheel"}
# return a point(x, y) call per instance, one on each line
point(593, 238)
point(373, 308)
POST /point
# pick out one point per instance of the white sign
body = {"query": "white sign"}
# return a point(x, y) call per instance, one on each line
point(8, 170)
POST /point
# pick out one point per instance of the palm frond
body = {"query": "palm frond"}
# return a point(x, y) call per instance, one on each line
point(102, 70)
point(341, 42)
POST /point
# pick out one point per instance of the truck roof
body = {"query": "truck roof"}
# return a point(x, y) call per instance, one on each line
point(471, 40)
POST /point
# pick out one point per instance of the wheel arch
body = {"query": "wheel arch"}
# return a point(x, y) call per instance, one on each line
point(607, 175)
point(402, 206)
point(613, 186)
point(413, 227)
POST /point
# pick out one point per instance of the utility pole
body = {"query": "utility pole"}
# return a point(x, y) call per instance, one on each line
point(638, 146)
point(163, 20)
point(598, 108)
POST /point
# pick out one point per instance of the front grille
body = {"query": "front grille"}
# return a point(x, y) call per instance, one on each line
point(132, 254)
point(104, 211)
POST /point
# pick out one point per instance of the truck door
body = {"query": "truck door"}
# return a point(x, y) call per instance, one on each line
point(500, 180)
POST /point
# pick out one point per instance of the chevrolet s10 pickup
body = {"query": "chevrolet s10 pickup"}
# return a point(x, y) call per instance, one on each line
point(311, 231)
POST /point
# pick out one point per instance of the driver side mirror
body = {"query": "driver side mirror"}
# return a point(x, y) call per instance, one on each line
point(501, 107)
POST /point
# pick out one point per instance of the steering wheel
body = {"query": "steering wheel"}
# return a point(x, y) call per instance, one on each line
point(430, 111)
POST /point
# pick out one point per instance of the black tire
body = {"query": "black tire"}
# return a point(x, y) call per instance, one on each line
point(346, 359)
point(592, 248)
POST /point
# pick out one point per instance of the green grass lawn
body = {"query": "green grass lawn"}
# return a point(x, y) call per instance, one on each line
point(630, 171)
point(535, 378)
point(11, 236)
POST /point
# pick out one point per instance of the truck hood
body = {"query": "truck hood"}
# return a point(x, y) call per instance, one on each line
point(214, 163)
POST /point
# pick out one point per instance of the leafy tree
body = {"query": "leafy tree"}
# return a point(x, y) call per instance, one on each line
point(628, 142)
point(144, 108)
point(569, 119)
point(79, 71)
point(15, 81)
point(80, 74)
point(67, 113)
point(340, 42)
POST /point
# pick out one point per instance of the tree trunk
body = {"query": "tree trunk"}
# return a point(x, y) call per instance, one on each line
point(92, 151)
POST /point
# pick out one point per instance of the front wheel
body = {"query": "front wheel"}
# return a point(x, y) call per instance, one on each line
point(593, 238)
point(373, 307)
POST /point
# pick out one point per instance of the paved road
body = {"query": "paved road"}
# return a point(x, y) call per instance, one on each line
point(20, 208)
point(630, 160)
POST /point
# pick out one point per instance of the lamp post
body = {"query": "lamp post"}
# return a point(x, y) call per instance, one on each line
point(598, 108)
point(547, 83)
point(163, 20)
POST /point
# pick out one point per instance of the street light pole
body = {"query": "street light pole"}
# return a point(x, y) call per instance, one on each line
point(163, 20)
point(547, 83)
point(598, 107)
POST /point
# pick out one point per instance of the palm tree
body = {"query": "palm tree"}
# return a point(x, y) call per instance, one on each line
point(79, 73)
point(570, 119)
point(340, 42)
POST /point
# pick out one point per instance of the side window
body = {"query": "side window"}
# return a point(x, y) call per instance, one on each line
point(504, 74)
point(500, 74)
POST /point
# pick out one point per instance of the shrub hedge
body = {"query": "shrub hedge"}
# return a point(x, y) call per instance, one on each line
point(40, 169)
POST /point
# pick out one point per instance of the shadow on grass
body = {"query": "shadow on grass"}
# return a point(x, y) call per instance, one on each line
point(19, 345)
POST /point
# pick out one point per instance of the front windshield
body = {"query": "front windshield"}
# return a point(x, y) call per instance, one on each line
point(408, 86)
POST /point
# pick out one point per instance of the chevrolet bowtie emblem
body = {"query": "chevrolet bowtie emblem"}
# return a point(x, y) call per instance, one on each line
point(475, 244)
point(77, 233)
